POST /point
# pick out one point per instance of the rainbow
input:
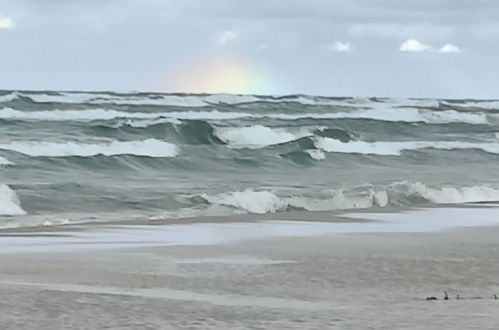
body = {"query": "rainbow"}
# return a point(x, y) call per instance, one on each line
point(220, 75)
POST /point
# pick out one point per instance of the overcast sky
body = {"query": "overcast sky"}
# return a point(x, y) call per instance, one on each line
point(399, 48)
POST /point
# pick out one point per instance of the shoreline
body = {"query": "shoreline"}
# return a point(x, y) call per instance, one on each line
point(315, 216)
point(287, 279)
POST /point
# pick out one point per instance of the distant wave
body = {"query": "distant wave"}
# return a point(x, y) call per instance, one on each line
point(9, 97)
point(383, 114)
point(149, 148)
point(9, 203)
point(200, 100)
point(178, 100)
point(389, 148)
point(475, 104)
point(142, 99)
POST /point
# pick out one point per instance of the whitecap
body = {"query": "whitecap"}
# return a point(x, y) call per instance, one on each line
point(9, 203)
point(395, 148)
point(9, 97)
point(5, 161)
point(149, 148)
point(384, 114)
point(257, 136)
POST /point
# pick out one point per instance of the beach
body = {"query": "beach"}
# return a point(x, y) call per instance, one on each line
point(274, 274)
point(260, 165)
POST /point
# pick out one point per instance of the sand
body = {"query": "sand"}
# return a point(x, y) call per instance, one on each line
point(226, 275)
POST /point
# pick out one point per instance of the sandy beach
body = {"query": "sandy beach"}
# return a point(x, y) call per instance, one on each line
point(253, 275)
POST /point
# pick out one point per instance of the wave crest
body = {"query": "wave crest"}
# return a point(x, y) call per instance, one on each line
point(147, 148)
point(395, 148)
point(396, 194)
point(9, 203)
point(257, 136)
point(5, 161)
point(378, 113)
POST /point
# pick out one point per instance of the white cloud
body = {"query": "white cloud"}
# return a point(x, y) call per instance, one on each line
point(226, 37)
point(449, 48)
point(413, 45)
point(6, 23)
point(340, 46)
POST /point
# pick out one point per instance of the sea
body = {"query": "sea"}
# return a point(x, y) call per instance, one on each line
point(74, 157)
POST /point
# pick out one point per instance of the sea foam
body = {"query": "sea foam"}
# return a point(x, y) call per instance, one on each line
point(5, 161)
point(398, 193)
point(447, 194)
point(261, 202)
point(378, 113)
point(9, 97)
point(395, 148)
point(9, 203)
point(149, 148)
point(257, 136)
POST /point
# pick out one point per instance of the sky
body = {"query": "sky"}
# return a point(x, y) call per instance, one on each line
point(394, 48)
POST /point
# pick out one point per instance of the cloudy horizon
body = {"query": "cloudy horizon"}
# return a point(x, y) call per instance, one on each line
point(438, 48)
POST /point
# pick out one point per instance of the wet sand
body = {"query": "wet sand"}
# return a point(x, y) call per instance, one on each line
point(313, 275)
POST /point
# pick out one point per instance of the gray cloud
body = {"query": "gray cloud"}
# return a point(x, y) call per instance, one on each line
point(140, 44)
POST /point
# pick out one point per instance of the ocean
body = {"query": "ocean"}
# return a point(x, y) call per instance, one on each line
point(68, 157)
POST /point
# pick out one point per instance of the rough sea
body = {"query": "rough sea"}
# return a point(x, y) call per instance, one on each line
point(78, 156)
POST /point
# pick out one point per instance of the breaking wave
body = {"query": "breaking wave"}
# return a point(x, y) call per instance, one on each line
point(476, 104)
point(5, 161)
point(396, 194)
point(9, 203)
point(257, 136)
point(148, 148)
point(9, 97)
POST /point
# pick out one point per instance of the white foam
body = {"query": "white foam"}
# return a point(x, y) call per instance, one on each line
point(423, 103)
point(257, 136)
point(389, 148)
point(379, 113)
point(168, 100)
point(232, 99)
point(106, 114)
point(9, 97)
point(399, 193)
point(149, 147)
point(418, 115)
point(180, 100)
point(9, 203)
point(451, 195)
point(316, 154)
point(145, 99)
point(261, 202)
point(77, 115)
point(64, 97)
point(386, 113)
point(4, 161)
point(199, 234)
point(487, 105)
